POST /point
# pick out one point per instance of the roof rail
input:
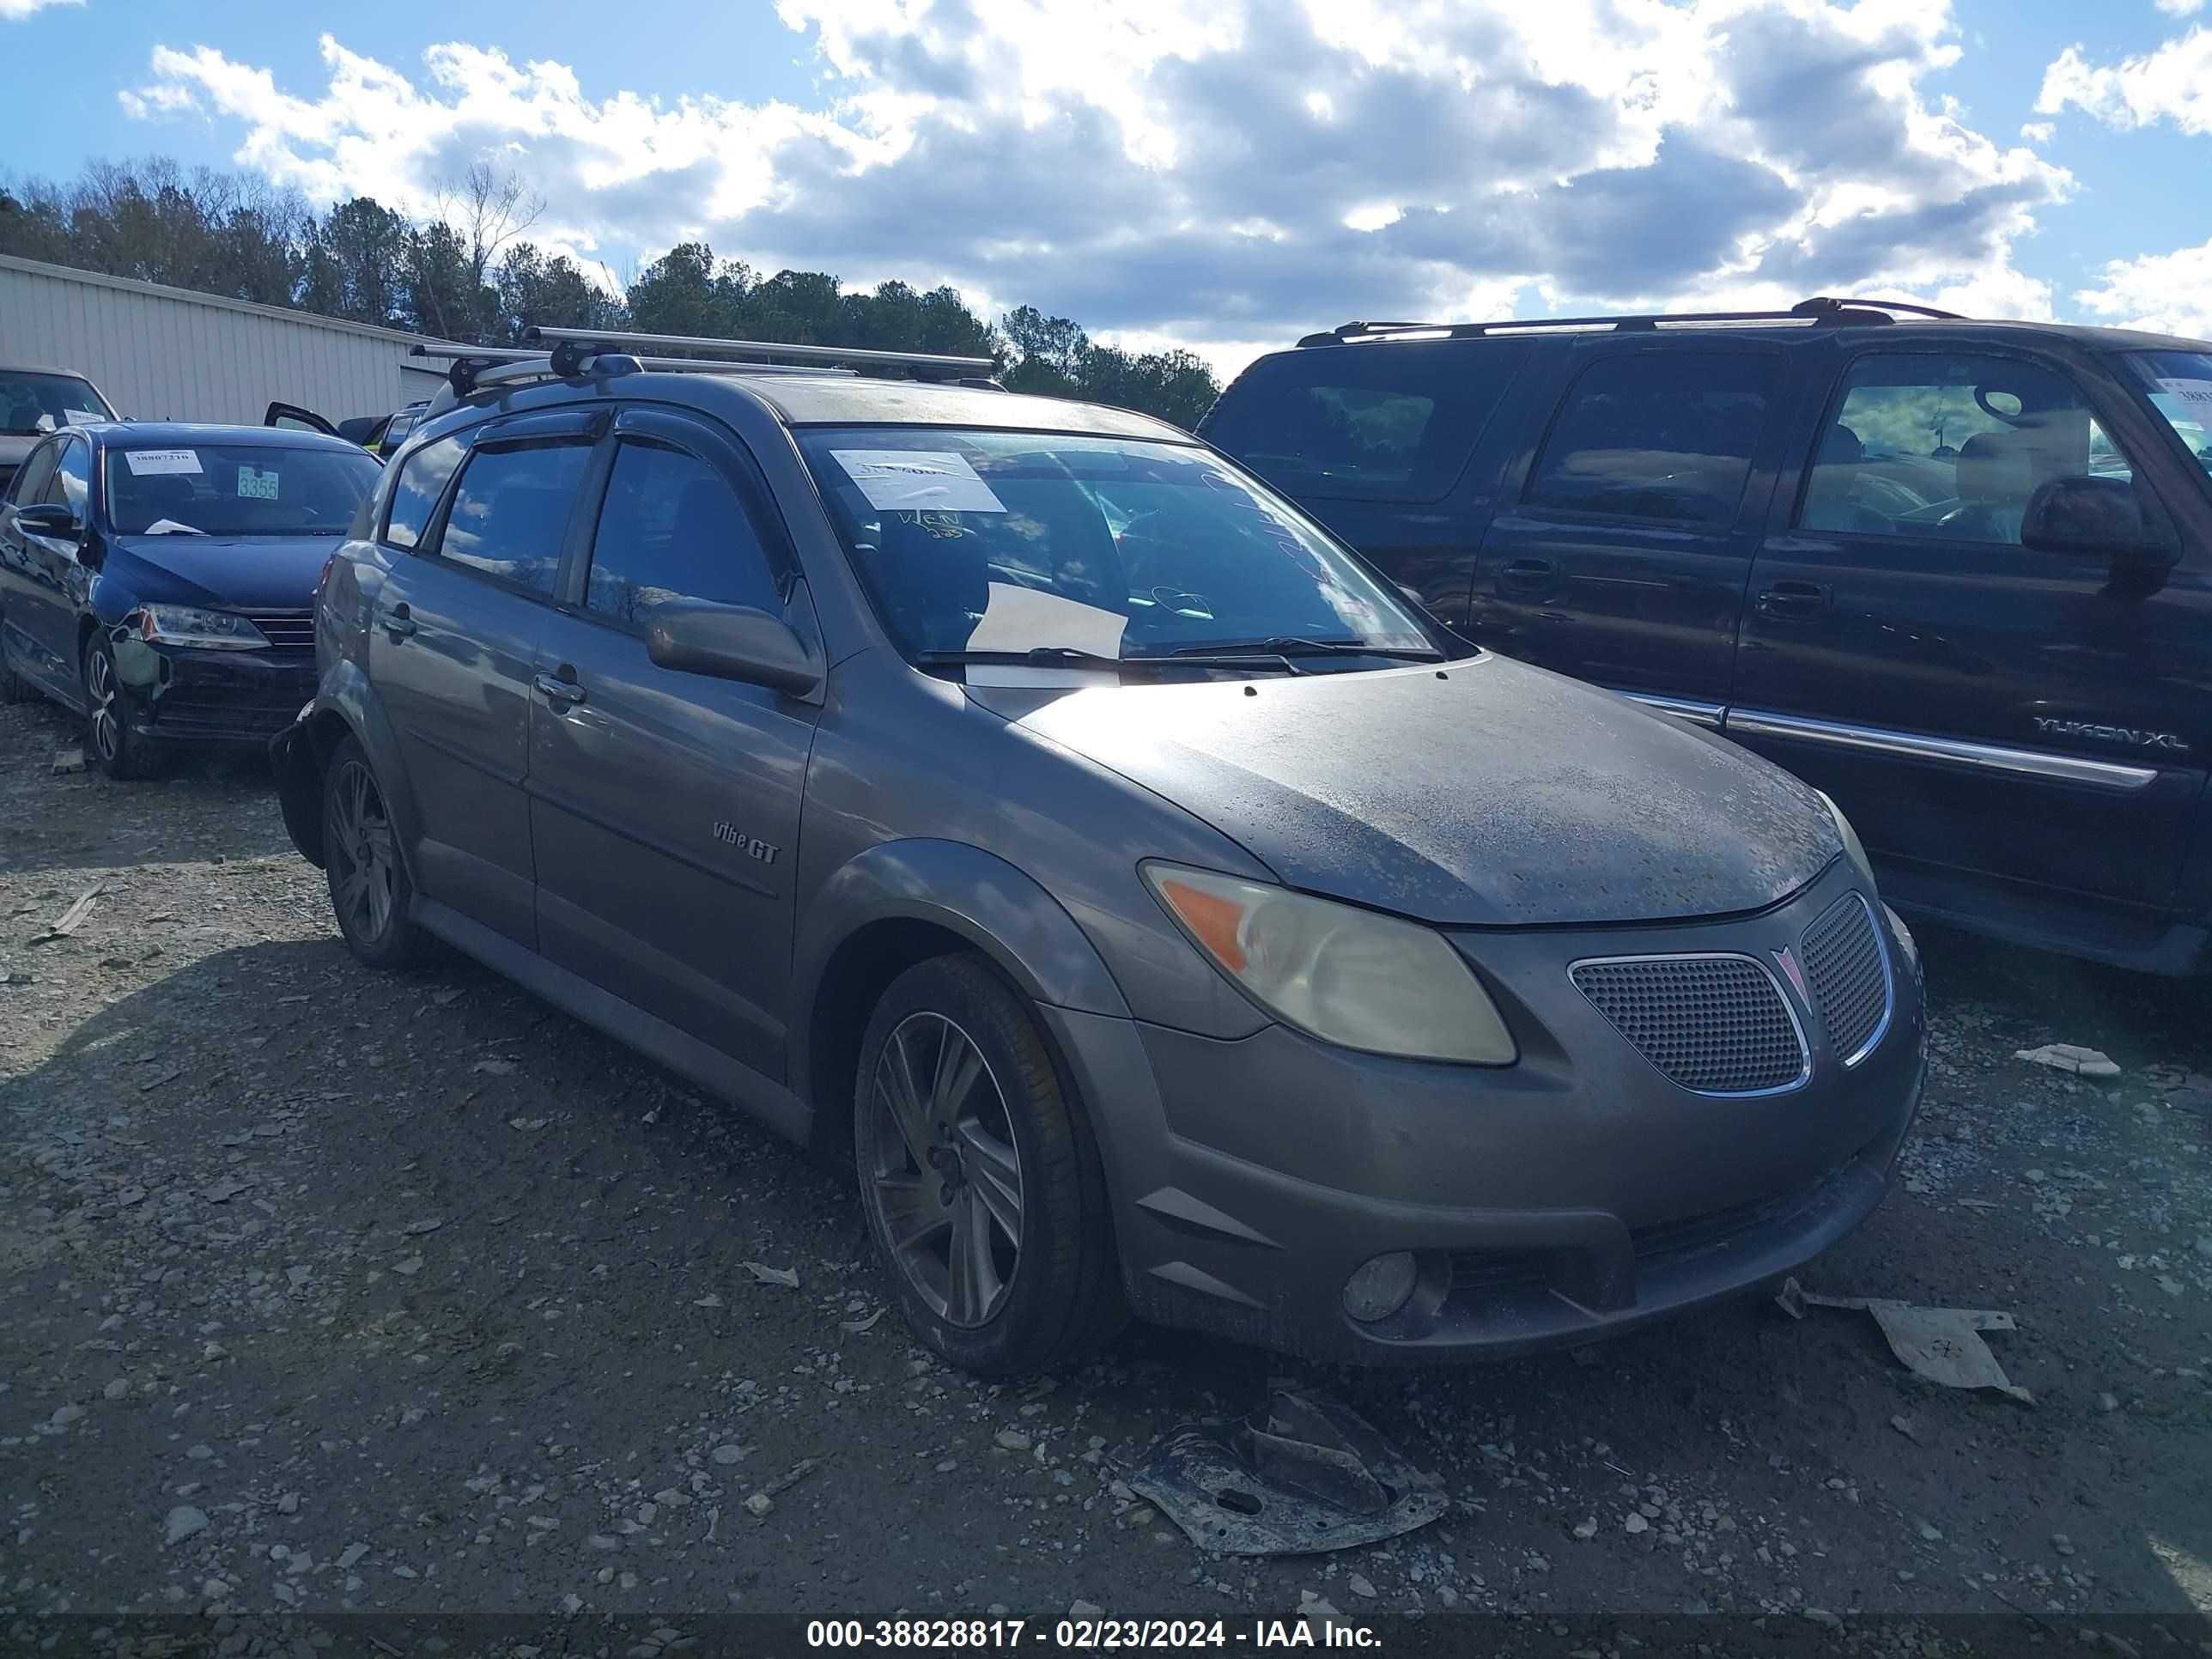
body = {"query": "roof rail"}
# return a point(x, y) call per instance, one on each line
point(1819, 310)
point(945, 366)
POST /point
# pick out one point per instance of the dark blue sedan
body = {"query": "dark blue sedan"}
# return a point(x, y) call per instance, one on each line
point(159, 578)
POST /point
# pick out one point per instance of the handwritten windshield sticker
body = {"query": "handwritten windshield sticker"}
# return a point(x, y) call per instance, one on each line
point(153, 463)
point(917, 480)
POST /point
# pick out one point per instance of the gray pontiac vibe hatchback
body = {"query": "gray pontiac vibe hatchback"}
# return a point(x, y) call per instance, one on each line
point(1018, 802)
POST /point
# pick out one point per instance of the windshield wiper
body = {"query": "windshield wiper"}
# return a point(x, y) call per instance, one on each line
point(1066, 656)
point(1285, 645)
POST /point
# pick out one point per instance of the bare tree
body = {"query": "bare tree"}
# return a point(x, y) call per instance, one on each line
point(488, 209)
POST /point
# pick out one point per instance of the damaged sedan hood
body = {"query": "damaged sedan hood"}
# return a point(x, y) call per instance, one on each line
point(1492, 795)
point(239, 573)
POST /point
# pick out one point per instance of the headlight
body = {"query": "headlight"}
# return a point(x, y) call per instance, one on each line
point(1343, 974)
point(1857, 853)
point(182, 624)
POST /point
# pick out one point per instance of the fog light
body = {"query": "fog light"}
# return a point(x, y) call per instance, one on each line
point(1381, 1287)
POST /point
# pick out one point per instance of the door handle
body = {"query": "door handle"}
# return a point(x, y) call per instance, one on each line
point(1528, 573)
point(561, 694)
point(1794, 601)
point(399, 623)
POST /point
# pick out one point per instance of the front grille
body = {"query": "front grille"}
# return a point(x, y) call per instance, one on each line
point(1716, 1024)
point(288, 630)
point(1849, 978)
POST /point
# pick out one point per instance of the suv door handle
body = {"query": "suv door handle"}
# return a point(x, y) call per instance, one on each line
point(1528, 573)
point(561, 694)
point(1794, 601)
point(399, 623)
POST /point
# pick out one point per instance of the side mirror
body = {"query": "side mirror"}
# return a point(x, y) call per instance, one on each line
point(731, 642)
point(2098, 518)
point(51, 519)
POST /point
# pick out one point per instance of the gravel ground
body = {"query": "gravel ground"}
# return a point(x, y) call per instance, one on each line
point(329, 1291)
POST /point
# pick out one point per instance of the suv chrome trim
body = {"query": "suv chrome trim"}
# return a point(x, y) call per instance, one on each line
point(1796, 1023)
point(2025, 762)
point(1709, 715)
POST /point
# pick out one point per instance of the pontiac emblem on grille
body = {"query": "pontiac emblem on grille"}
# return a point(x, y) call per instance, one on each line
point(1788, 961)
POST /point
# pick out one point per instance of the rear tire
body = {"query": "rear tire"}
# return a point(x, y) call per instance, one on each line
point(109, 742)
point(981, 1184)
point(369, 889)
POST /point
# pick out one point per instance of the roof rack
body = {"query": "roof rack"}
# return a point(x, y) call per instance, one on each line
point(943, 367)
point(1821, 310)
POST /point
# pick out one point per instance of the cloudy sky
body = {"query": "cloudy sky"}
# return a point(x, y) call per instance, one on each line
point(1227, 173)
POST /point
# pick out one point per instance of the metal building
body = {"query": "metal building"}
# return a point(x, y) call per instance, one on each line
point(168, 354)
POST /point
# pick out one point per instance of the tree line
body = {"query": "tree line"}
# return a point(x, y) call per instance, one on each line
point(468, 272)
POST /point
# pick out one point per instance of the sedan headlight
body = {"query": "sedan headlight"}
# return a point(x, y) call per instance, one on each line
point(1855, 852)
point(1344, 974)
point(184, 624)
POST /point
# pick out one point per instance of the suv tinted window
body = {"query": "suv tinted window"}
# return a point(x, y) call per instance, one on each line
point(416, 491)
point(672, 528)
point(1383, 421)
point(1949, 446)
point(510, 513)
point(1663, 435)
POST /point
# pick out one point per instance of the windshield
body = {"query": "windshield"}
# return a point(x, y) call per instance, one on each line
point(27, 400)
point(2179, 385)
point(1008, 542)
point(235, 489)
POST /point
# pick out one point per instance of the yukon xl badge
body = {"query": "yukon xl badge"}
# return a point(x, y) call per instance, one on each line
point(2133, 736)
point(751, 846)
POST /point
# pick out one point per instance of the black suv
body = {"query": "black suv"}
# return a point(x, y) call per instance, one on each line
point(1953, 573)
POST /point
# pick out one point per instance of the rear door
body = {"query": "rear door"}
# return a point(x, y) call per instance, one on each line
point(477, 538)
point(1628, 521)
point(664, 805)
point(1982, 712)
point(1372, 439)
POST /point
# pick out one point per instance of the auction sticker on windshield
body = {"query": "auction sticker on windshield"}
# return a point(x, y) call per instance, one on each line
point(935, 480)
point(144, 463)
point(2197, 394)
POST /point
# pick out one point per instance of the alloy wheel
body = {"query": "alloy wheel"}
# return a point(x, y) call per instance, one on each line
point(946, 1176)
point(361, 846)
point(105, 697)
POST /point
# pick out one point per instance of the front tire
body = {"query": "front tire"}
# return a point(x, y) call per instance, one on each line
point(369, 889)
point(981, 1184)
point(113, 747)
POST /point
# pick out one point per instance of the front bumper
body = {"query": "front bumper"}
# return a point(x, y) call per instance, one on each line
point(1575, 1195)
point(212, 696)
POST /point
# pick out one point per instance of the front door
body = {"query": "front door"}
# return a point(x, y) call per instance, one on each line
point(1620, 549)
point(292, 418)
point(663, 806)
point(1981, 711)
point(46, 579)
point(453, 647)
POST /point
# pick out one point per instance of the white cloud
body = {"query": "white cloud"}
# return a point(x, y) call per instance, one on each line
point(2164, 292)
point(1217, 171)
point(2174, 84)
point(2180, 8)
point(2039, 132)
point(14, 10)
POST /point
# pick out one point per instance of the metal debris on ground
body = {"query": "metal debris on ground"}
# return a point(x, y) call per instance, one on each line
point(855, 1327)
point(1301, 1475)
point(1943, 1345)
point(786, 1277)
point(2070, 1057)
point(73, 918)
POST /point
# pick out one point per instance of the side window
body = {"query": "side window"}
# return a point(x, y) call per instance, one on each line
point(510, 513)
point(72, 483)
point(1382, 420)
point(672, 528)
point(38, 472)
point(416, 491)
point(1660, 435)
point(1948, 446)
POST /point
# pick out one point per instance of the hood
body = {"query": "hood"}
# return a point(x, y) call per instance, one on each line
point(241, 573)
point(1497, 795)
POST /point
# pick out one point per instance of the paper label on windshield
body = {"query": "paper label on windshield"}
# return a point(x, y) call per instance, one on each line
point(152, 463)
point(924, 480)
point(255, 486)
point(82, 417)
point(1018, 618)
point(2195, 395)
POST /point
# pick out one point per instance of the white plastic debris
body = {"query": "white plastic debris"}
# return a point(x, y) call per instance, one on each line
point(2070, 1057)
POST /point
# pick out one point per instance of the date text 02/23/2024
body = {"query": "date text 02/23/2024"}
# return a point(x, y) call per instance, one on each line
point(1088, 1635)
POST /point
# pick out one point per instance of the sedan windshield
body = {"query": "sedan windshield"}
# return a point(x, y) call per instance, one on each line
point(2179, 385)
point(1010, 543)
point(32, 403)
point(235, 489)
